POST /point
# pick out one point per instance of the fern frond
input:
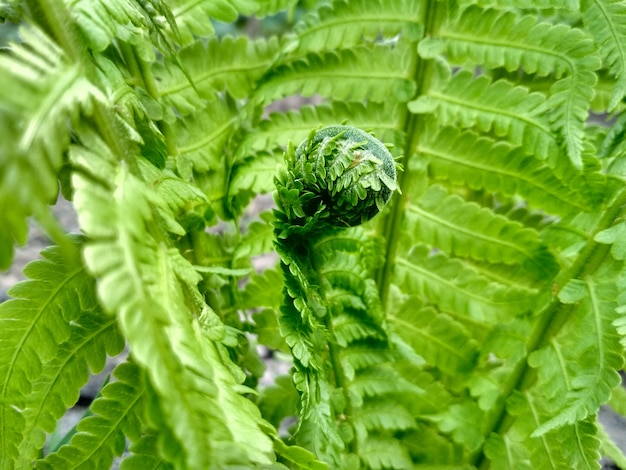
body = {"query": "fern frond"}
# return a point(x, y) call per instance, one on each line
point(577, 392)
point(202, 135)
point(503, 39)
point(185, 206)
point(258, 238)
point(272, 7)
point(568, 5)
point(254, 167)
point(344, 75)
point(102, 435)
point(457, 289)
point(135, 271)
point(572, 446)
point(299, 457)
point(362, 355)
point(604, 19)
point(464, 422)
point(481, 163)
point(264, 290)
point(278, 401)
point(494, 39)
point(350, 328)
point(317, 430)
point(569, 111)
point(252, 176)
point(507, 454)
point(194, 18)
point(52, 331)
point(343, 24)
point(267, 329)
point(93, 337)
point(498, 107)
point(144, 455)
point(379, 118)
point(384, 414)
point(375, 382)
point(379, 453)
point(199, 71)
point(507, 275)
point(466, 229)
point(443, 342)
point(41, 93)
point(101, 21)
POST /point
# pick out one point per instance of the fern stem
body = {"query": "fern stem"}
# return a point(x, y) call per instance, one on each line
point(411, 125)
point(550, 319)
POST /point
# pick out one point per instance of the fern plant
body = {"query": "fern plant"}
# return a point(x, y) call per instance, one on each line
point(470, 316)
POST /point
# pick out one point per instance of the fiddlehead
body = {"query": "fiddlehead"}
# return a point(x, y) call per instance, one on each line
point(339, 176)
point(336, 179)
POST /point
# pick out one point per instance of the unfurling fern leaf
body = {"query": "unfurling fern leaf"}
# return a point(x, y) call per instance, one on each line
point(337, 178)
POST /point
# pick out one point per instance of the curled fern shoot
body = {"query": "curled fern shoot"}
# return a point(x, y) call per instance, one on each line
point(332, 319)
point(338, 176)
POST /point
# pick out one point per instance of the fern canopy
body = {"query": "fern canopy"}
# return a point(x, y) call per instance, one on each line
point(471, 316)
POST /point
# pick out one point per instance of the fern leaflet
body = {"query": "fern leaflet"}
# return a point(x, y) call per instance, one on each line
point(605, 21)
point(539, 48)
point(343, 75)
point(101, 436)
point(499, 107)
point(345, 24)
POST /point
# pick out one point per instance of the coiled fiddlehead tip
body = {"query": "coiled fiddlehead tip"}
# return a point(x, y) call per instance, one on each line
point(339, 176)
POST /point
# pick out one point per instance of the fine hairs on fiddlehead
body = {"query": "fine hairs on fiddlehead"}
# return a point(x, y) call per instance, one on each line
point(335, 180)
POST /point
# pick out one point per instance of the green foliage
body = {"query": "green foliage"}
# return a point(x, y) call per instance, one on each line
point(471, 314)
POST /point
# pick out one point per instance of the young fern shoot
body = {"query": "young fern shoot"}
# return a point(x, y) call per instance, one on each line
point(337, 179)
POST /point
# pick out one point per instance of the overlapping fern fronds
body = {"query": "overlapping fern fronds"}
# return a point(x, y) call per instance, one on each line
point(495, 286)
